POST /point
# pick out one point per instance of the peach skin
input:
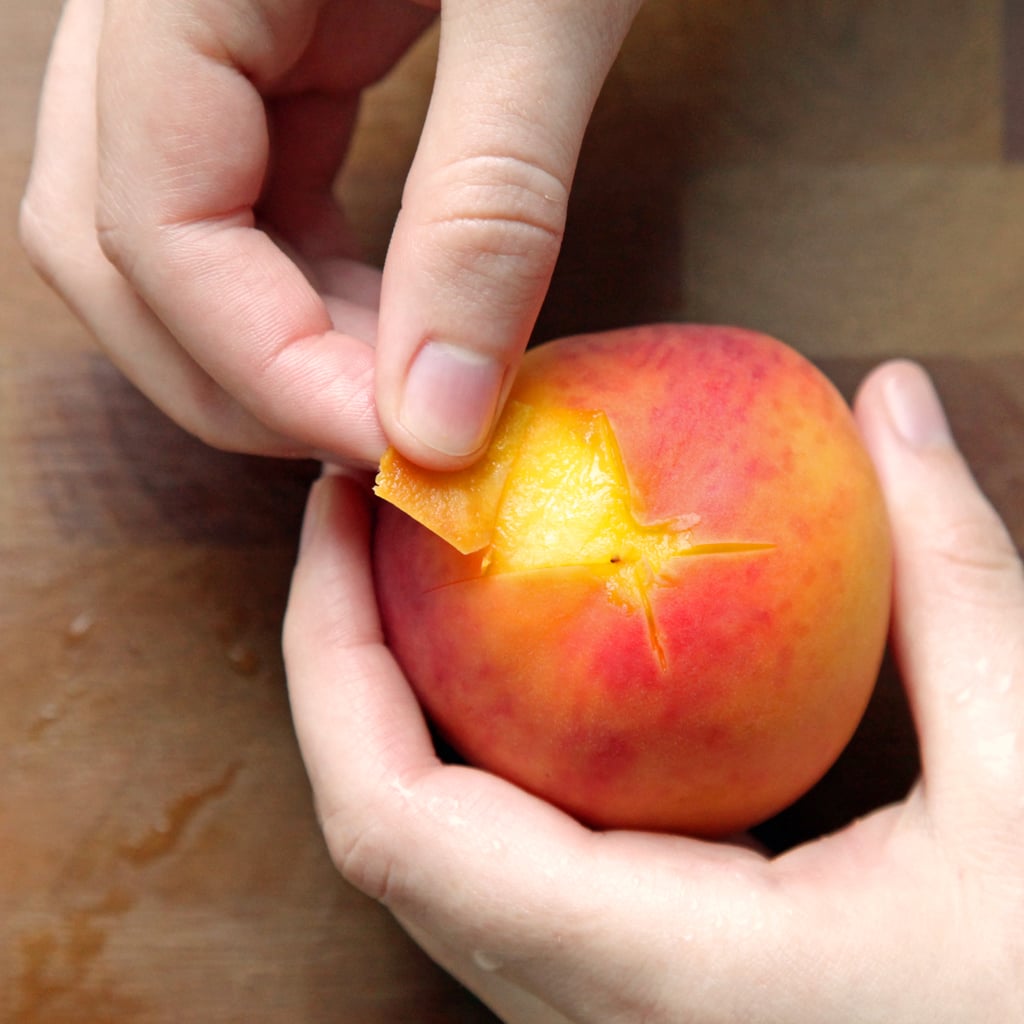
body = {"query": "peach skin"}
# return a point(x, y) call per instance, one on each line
point(661, 598)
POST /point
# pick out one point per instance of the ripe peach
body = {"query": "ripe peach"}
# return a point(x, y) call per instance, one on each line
point(661, 598)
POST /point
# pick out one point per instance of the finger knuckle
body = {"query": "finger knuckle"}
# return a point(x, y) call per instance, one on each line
point(362, 856)
point(39, 230)
point(114, 239)
point(498, 215)
point(978, 561)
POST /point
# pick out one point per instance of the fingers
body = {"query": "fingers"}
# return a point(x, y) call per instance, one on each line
point(357, 721)
point(959, 602)
point(58, 230)
point(187, 95)
point(524, 904)
point(58, 225)
point(183, 153)
point(363, 737)
point(484, 211)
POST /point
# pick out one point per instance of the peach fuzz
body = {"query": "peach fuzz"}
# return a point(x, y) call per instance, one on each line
point(672, 594)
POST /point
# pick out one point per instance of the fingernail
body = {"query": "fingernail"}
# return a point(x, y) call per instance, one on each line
point(312, 521)
point(450, 398)
point(914, 408)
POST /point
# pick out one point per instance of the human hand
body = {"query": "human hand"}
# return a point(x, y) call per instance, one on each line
point(180, 201)
point(914, 913)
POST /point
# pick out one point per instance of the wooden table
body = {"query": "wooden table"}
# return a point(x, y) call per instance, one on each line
point(844, 175)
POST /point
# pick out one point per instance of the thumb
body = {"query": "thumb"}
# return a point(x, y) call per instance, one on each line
point(959, 600)
point(484, 212)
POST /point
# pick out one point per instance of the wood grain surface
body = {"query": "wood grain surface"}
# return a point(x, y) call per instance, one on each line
point(844, 174)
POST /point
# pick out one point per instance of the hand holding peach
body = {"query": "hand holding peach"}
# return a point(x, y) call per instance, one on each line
point(912, 913)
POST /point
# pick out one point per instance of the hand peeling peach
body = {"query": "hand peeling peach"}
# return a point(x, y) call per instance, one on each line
point(660, 599)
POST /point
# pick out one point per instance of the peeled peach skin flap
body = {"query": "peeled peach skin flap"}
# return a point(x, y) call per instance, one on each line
point(460, 507)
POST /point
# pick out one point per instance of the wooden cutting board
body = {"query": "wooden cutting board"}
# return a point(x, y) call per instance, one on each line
point(844, 175)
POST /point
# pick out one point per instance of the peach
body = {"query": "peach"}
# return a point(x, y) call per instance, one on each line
point(660, 600)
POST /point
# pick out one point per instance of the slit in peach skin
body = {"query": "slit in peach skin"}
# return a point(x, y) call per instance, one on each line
point(551, 493)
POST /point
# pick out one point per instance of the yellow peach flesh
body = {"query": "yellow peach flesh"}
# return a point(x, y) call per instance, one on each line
point(551, 492)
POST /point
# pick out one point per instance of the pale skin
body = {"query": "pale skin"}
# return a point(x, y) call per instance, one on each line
point(180, 201)
point(915, 913)
point(172, 206)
